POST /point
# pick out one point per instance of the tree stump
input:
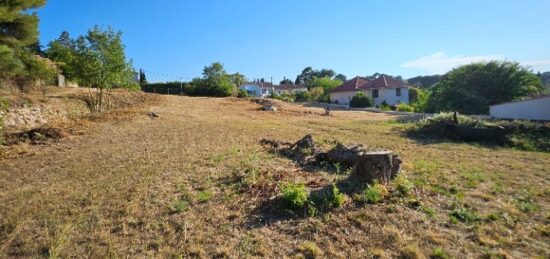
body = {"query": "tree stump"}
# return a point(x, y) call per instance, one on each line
point(379, 166)
point(368, 164)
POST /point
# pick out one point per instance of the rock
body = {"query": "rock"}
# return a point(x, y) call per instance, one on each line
point(152, 115)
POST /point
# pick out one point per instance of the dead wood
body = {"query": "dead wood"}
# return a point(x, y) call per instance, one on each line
point(368, 164)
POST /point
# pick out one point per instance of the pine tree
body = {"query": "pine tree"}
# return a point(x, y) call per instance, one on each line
point(142, 77)
point(19, 27)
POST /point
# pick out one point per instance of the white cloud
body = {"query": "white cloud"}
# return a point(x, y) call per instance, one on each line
point(536, 63)
point(439, 63)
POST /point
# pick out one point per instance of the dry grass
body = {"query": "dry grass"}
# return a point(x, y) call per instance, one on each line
point(195, 183)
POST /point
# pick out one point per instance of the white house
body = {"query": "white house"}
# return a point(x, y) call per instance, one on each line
point(537, 108)
point(381, 89)
point(289, 89)
point(257, 89)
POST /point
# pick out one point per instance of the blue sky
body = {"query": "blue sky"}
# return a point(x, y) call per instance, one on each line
point(278, 38)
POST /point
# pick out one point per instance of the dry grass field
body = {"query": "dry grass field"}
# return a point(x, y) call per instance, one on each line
point(195, 182)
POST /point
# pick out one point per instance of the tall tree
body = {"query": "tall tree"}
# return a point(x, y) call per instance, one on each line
point(215, 82)
point(10, 64)
point(238, 79)
point(424, 81)
point(102, 60)
point(142, 78)
point(63, 52)
point(18, 25)
point(472, 88)
point(341, 77)
point(306, 76)
point(286, 81)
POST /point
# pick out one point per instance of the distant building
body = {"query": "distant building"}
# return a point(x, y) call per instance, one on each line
point(263, 89)
point(257, 89)
point(289, 89)
point(537, 108)
point(383, 88)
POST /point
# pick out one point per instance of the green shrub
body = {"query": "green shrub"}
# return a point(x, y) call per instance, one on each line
point(429, 211)
point(464, 215)
point(439, 253)
point(384, 106)
point(10, 64)
point(336, 198)
point(302, 96)
point(449, 116)
point(360, 100)
point(402, 186)
point(242, 93)
point(403, 107)
point(528, 206)
point(295, 195)
point(374, 193)
point(205, 196)
point(418, 99)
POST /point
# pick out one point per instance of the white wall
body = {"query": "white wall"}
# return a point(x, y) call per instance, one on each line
point(257, 91)
point(535, 109)
point(342, 97)
point(388, 94)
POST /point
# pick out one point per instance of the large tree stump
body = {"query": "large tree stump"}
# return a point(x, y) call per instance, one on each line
point(381, 166)
point(368, 164)
point(345, 155)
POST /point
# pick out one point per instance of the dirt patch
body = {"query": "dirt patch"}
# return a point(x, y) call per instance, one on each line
point(35, 136)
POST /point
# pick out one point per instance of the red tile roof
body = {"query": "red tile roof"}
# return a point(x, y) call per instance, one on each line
point(359, 83)
point(385, 81)
point(352, 85)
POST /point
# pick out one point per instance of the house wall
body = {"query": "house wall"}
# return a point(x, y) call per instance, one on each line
point(342, 97)
point(256, 91)
point(536, 109)
point(294, 90)
point(388, 94)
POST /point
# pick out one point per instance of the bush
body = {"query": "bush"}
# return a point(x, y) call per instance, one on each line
point(403, 107)
point(360, 100)
point(10, 65)
point(302, 96)
point(402, 185)
point(385, 106)
point(295, 195)
point(242, 93)
point(418, 99)
point(464, 215)
point(332, 198)
point(439, 253)
point(38, 69)
point(375, 193)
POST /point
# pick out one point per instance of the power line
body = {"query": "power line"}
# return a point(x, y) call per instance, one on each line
point(165, 75)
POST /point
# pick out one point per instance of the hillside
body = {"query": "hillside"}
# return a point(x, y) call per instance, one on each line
point(195, 182)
